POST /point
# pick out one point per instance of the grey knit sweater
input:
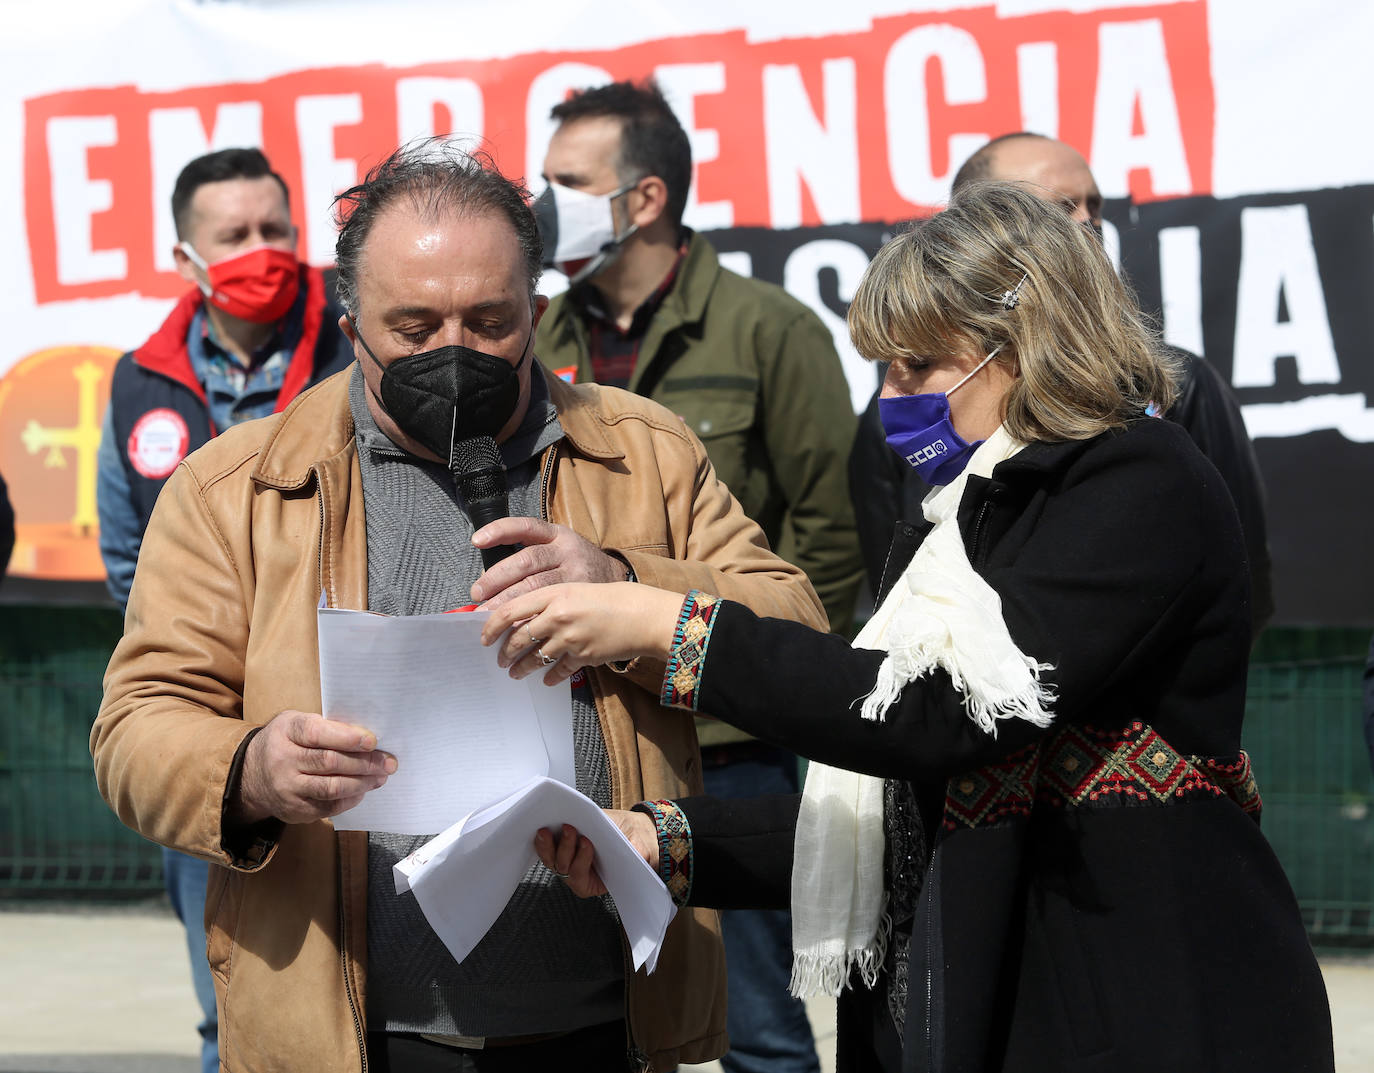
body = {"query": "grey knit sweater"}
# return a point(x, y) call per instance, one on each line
point(552, 962)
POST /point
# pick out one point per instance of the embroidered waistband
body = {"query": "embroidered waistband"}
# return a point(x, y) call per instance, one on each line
point(1083, 767)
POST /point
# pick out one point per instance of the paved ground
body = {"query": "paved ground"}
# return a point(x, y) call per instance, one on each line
point(102, 989)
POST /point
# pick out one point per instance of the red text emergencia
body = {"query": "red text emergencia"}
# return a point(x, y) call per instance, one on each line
point(798, 132)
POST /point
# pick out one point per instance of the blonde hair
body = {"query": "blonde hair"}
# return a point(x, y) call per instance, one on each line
point(1087, 359)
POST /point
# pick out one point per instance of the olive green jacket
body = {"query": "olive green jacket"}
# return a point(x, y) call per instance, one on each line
point(754, 373)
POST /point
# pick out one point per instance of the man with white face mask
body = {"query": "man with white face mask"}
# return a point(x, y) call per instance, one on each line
point(254, 331)
point(751, 371)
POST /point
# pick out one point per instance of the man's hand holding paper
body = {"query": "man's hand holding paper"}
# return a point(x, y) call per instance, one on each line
point(570, 854)
point(464, 877)
point(302, 767)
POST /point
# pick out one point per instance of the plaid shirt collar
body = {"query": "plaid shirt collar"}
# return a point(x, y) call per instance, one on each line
point(592, 304)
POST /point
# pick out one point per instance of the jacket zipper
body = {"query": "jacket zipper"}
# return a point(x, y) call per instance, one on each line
point(549, 459)
point(638, 1060)
point(343, 909)
point(975, 545)
point(319, 562)
point(343, 965)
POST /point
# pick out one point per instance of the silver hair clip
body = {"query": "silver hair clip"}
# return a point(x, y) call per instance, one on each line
point(1012, 298)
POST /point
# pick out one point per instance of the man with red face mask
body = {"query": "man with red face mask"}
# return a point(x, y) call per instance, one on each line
point(255, 331)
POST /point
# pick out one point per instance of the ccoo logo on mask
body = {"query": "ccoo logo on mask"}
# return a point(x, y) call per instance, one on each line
point(922, 421)
point(925, 454)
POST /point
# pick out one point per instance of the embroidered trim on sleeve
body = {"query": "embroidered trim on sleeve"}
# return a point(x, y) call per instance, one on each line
point(674, 848)
point(687, 657)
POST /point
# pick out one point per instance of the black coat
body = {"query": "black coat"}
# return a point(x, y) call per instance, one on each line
point(6, 528)
point(1129, 931)
point(885, 489)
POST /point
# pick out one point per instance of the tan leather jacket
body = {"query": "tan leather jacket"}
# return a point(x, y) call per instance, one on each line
point(220, 637)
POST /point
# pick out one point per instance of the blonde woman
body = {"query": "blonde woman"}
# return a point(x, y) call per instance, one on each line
point(1029, 839)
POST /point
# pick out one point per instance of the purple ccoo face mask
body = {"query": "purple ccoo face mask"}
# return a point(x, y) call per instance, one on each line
point(919, 429)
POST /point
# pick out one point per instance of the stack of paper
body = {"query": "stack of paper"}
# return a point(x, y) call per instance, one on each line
point(463, 878)
point(464, 733)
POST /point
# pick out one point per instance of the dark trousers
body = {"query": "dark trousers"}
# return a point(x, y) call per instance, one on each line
point(598, 1049)
point(769, 1032)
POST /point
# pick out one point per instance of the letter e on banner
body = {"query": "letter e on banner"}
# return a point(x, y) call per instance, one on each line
point(682, 83)
point(77, 198)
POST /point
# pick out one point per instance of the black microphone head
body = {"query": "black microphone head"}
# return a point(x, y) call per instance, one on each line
point(477, 466)
point(478, 452)
point(480, 474)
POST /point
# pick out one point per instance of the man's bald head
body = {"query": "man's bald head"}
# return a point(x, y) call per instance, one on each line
point(1053, 170)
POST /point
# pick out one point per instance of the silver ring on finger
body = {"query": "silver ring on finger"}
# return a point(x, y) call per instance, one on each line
point(547, 661)
point(533, 639)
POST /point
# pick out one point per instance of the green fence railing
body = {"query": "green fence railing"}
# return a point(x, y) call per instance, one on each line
point(1305, 737)
point(57, 836)
point(1303, 731)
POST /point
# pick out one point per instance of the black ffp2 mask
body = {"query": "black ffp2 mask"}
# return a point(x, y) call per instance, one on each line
point(448, 395)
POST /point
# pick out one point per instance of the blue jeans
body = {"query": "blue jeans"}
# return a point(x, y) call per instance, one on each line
point(769, 1032)
point(186, 878)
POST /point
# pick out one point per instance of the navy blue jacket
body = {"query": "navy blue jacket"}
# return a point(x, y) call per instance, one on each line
point(159, 413)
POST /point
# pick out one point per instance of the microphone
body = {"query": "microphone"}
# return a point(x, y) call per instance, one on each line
point(481, 478)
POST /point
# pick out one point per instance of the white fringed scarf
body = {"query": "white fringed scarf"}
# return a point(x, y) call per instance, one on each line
point(940, 613)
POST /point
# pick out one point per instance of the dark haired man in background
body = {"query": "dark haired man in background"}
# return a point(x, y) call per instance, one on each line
point(210, 737)
point(886, 489)
point(253, 332)
point(754, 373)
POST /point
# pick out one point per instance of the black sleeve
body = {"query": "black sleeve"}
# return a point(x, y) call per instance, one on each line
point(1369, 702)
point(875, 487)
point(6, 528)
point(800, 689)
point(1208, 410)
point(1117, 569)
point(742, 850)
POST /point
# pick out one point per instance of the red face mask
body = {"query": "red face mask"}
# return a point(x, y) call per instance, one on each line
point(257, 285)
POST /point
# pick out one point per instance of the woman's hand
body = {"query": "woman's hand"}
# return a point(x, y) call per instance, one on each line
point(561, 628)
point(573, 856)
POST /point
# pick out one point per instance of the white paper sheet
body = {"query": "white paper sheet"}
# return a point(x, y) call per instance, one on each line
point(463, 878)
point(463, 732)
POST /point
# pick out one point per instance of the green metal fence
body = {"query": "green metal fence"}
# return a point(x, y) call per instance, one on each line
point(1304, 734)
point(1303, 731)
point(57, 837)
